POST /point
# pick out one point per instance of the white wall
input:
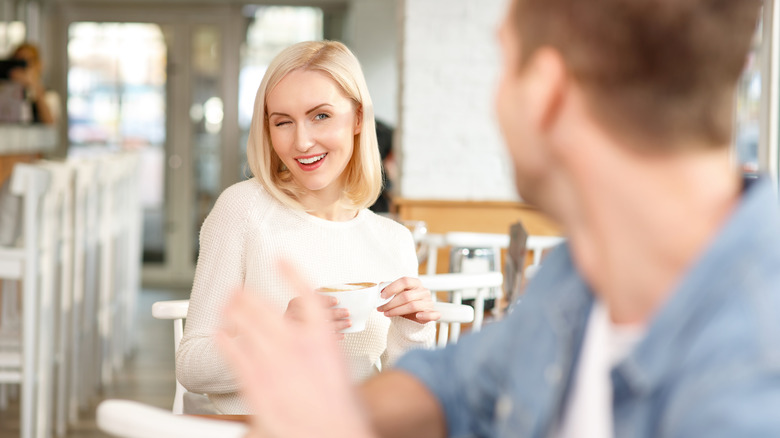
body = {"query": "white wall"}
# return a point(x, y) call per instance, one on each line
point(450, 144)
point(371, 33)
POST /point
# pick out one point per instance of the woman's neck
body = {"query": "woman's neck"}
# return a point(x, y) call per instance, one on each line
point(327, 204)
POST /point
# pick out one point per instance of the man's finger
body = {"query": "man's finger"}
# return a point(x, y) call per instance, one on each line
point(247, 315)
point(311, 311)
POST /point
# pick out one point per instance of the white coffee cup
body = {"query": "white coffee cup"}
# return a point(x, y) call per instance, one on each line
point(359, 298)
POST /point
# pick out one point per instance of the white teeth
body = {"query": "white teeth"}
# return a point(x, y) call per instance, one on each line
point(312, 159)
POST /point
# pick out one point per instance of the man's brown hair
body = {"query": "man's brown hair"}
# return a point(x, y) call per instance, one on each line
point(663, 69)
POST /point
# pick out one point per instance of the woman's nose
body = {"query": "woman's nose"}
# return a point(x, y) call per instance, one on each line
point(303, 138)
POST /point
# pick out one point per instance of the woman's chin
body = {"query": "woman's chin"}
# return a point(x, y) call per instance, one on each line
point(316, 186)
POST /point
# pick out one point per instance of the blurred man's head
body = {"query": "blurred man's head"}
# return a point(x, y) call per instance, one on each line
point(657, 75)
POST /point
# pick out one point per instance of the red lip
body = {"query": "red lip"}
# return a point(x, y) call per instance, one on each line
point(313, 166)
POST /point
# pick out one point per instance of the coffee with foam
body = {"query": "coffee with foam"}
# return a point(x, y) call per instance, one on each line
point(360, 298)
point(345, 287)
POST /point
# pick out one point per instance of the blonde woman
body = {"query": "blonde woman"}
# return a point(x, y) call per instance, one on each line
point(313, 152)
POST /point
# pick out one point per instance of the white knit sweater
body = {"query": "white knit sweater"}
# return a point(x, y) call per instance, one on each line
point(242, 238)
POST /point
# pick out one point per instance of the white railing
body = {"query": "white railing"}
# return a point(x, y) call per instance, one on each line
point(78, 265)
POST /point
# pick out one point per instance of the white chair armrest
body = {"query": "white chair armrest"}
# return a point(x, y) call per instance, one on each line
point(172, 309)
point(454, 313)
point(130, 419)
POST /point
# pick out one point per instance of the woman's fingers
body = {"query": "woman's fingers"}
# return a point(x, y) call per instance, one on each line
point(327, 300)
point(409, 308)
point(409, 296)
point(341, 324)
point(338, 313)
point(414, 303)
point(400, 285)
point(427, 316)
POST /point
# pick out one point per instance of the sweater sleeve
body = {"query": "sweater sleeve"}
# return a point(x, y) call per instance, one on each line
point(403, 334)
point(221, 268)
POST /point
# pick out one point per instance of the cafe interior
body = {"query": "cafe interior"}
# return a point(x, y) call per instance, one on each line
point(150, 105)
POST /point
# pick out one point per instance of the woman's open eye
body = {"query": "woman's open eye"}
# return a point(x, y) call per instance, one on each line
point(321, 116)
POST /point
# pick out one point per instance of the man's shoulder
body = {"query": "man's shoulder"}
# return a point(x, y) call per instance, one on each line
point(726, 370)
point(727, 332)
point(745, 324)
point(731, 297)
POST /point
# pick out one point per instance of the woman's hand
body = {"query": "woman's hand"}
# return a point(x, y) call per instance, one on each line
point(339, 318)
point(410, 300)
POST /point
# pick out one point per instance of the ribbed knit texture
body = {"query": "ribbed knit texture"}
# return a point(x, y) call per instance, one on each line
point(242, 238)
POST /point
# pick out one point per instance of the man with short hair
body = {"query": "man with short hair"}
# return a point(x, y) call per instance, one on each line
point(659, 317)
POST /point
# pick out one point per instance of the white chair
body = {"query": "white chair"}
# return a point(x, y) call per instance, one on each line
point(472, 243)
point(118, 226)
point(175, 310)
point(430, 243)
point(20, 358)
point(108, 175)
point(124, 235)
point(105, 254)
point(477, 253)
point(455, 284)
point(132, 247)
point(130, 419)
point(84, 375)
point(493, 241)
point(57, 284)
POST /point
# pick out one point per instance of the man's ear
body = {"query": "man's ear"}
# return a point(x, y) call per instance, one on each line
point(358, 120)
point(547, 87)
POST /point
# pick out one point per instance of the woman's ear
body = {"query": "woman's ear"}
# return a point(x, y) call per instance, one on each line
point(358, 120)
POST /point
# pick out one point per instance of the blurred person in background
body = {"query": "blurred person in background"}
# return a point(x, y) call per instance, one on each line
point(660, 315)
point(384, 139)
point(44, 104)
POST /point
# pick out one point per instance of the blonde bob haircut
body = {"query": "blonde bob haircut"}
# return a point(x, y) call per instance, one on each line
point(363, 173)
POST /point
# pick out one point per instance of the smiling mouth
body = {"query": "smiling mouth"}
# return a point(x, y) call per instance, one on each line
point(311, 160)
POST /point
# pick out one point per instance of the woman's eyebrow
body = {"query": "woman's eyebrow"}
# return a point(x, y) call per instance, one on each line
point(276, 113)
point(318, 107)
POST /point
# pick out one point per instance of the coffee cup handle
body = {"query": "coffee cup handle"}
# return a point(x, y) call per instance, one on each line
point(382, 301)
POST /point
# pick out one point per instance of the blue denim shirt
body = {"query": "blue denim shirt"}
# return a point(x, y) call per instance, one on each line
point(708, 366)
